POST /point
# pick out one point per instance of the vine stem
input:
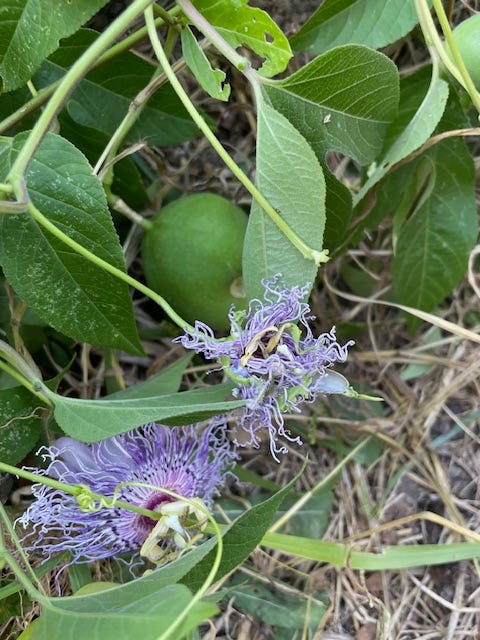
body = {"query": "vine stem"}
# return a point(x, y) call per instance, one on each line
point(118, 273)
point(433, 40)
point(240, 63)
point(76, 489)
point(447, 32)
point(19, 370)
point(69, 81)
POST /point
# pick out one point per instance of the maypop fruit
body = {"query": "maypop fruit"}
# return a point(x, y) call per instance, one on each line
point(192, 257)
point(467, 39)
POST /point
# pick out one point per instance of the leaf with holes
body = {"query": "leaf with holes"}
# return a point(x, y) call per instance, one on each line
point(242, 25)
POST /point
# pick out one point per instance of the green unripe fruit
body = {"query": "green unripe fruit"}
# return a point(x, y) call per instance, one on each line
point(192, 257)
point(467, 39)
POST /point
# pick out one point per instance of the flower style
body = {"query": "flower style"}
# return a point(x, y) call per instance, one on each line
point(273, 366)
point(183, 460)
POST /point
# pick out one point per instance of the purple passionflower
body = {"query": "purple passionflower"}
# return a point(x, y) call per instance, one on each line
point(274, 360)
point(184, 460)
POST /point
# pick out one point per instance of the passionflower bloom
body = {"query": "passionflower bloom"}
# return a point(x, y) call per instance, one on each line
point(191, 463)
point(274, 360)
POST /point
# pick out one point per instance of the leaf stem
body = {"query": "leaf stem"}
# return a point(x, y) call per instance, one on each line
point(118, 273)
point(306, 251)
point(24, 382)
point(22, 372)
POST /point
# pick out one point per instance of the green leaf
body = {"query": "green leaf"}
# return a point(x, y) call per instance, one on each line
point(289, 175)
point(92, 420)
point(127, 182)
point(211, 80)
point(433, 245)
point(167, 381)
point(406, 136)
point(102, 99)
point(239, 539)
point(338, 211)
point(146, 617)
point(20, 424)
point(280, 609)
point(311, 520)
point(367, 22)
point(66, 290)
point(30, 31)
point(396, 557)
point(241, 25)
point(343, 100)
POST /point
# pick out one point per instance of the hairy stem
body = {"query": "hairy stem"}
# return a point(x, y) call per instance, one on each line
point(306, 251)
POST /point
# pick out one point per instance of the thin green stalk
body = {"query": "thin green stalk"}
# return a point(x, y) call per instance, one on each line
point(135, 110)
point(447, 32)
point(432, 39)
point(33, 388)
point(22, 372)
point(76, 490)
point(22, 578)
point(306, 251)
point(46, 224)
point(69, 81)
point(14, 587)
point(14, 538)
point(436, 47)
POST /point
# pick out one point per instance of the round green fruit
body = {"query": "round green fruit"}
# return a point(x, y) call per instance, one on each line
point(467, 39)
point(192, 257)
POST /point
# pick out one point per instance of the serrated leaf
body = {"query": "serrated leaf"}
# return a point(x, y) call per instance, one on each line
point(31, 29)
point(289, 175)
point(433, 246)
point(310, 520)
point(240, 539)
point(93, 420)
point(343, 100)
point(414, 133)
point(240, 25)
point(20, 424)
point(146, 617)
point(66, 290)
point(367, 22)
point(211, 80)
point(103, 97)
